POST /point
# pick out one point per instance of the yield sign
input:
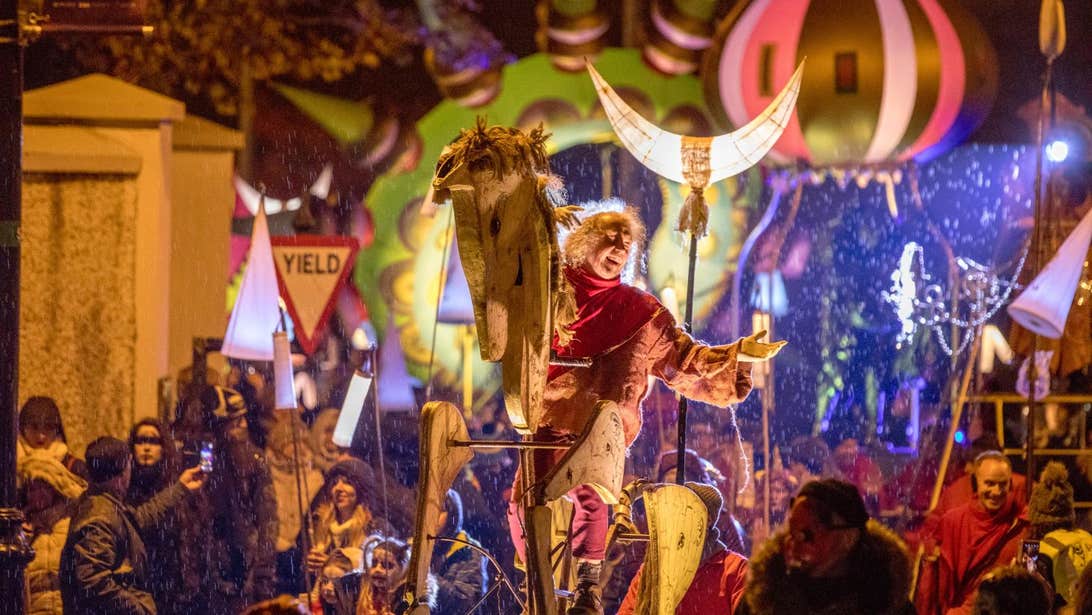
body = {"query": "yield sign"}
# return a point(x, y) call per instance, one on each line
point(310, 271)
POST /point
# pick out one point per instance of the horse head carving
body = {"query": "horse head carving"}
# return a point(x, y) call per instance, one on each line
point(499, 182)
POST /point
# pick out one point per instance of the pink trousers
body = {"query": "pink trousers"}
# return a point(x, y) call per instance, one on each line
point(590, 514)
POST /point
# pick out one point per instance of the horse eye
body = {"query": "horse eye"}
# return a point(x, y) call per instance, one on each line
point(445, 166)
point(494, 225)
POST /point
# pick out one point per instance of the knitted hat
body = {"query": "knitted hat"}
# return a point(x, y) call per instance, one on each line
point(710, 496)
point(837, 497)
point(221, 404)
point(38, 465)
point(1051, 501)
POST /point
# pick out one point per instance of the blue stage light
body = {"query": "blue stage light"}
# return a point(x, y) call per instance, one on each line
point(1057, 151)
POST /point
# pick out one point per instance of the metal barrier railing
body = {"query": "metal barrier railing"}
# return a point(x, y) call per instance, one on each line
point(998, 400)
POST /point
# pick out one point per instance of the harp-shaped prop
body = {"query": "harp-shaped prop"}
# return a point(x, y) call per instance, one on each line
point(441, 462)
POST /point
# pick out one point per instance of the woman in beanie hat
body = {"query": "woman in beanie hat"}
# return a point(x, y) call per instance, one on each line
point(47, 494)
point(1064, 550)
point(40, 428)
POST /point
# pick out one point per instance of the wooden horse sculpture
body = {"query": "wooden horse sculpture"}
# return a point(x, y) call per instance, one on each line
point(498, 181)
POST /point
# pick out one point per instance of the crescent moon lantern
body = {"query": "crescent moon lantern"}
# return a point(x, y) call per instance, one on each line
point(697, 161)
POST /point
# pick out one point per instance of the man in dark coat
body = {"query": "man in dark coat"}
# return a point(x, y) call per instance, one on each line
point(104, 568)
point(830, 560)
point(459, 568)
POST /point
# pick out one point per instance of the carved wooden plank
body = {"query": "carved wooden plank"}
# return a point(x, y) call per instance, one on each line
point(440, 463)
point(677, 521)
point(597, 458)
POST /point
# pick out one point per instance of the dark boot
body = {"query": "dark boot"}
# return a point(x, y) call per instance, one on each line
point(588, 598)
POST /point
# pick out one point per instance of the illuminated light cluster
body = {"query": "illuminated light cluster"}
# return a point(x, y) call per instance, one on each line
point(917, 302)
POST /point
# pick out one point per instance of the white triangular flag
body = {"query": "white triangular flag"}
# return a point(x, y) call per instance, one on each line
point(1044, 305)
point(256, 313)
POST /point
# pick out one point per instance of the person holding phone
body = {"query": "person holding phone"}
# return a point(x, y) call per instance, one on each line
point(104, 563)
point(229, 557)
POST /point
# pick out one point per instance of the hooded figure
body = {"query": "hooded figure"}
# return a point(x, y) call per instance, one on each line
point(459, 568)
point(47, 493)
point(831, 559)
point(40, 428)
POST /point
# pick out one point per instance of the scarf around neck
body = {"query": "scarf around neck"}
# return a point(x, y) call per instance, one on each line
point(608, 314)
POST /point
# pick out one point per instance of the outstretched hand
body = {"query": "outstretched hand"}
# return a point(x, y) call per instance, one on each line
point(565, 217)
point(193, 478)
point(753, 351)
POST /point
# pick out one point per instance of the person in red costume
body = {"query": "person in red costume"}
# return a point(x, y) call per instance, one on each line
point(629, 336)
point(972, 540)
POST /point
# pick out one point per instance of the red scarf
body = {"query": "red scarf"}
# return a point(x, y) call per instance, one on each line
point(608, 314)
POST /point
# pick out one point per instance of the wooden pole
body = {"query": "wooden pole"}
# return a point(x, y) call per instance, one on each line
point(688, 319)
point(1038, 238)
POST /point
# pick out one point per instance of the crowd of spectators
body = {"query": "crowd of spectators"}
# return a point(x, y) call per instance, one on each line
point(139, 527)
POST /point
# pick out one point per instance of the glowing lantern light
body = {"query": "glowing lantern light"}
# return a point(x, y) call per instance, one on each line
point(888, 80)
point(256, 313)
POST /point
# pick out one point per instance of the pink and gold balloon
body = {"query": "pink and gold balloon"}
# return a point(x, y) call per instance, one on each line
point(887, 81)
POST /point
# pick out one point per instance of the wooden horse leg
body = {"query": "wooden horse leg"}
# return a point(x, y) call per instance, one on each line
point(440, 463)
point(677, 523)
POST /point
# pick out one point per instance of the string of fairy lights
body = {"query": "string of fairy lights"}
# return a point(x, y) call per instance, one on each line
point(919, 302)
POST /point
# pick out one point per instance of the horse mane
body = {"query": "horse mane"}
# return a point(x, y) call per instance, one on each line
point(510, 149)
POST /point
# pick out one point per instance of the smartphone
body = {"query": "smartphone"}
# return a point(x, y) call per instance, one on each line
point(1029, 553)
point(207, 456)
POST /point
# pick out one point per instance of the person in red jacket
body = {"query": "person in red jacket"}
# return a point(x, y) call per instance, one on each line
point(972, 540)
point(629, 337)
point(718, 584)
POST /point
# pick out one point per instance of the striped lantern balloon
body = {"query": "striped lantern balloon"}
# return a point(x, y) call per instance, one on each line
point(887, 80)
